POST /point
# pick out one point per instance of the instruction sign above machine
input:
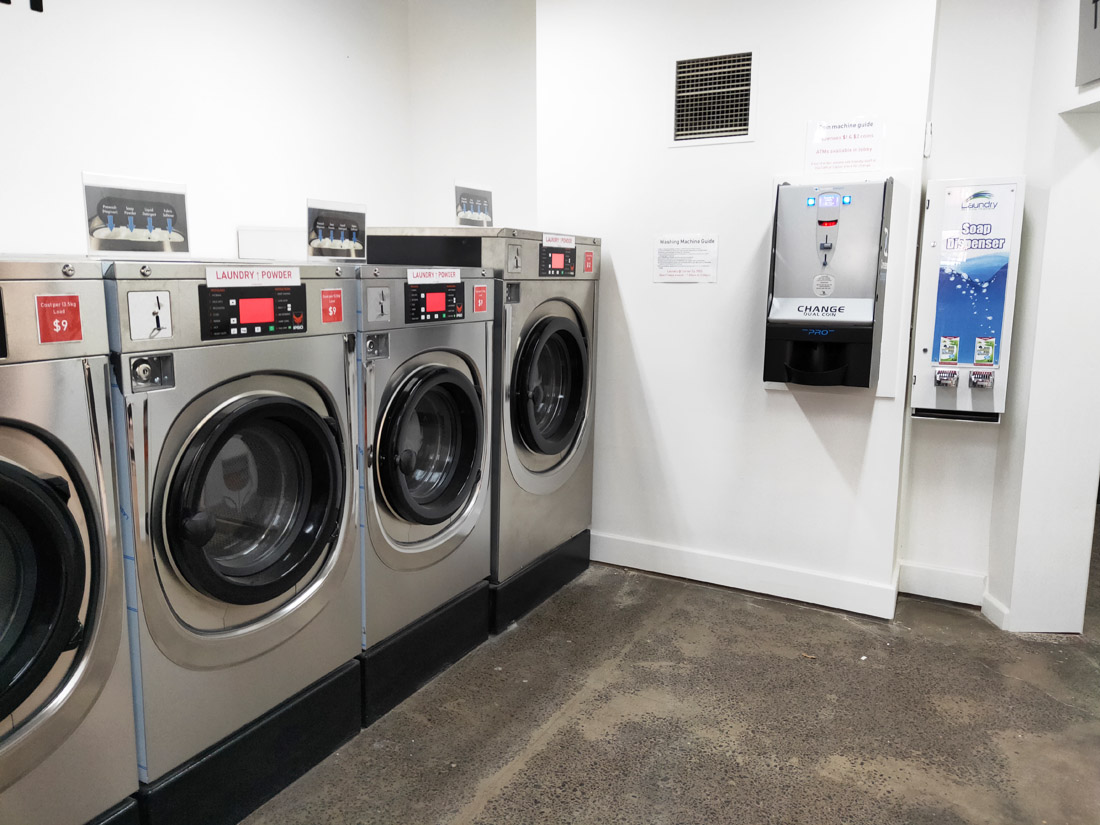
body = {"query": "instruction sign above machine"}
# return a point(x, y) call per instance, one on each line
point(473, 207)
point(335, 230)
point(852, 145)
point(129, 216)
point(686, 259)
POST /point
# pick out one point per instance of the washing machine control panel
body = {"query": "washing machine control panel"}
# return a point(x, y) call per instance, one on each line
point(557, 262)
point(241, 313)
point(425, 303)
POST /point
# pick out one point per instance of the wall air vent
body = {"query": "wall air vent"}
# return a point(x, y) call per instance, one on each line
point(712, 96)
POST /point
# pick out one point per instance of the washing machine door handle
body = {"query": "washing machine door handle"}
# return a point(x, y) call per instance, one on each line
point(199, 527)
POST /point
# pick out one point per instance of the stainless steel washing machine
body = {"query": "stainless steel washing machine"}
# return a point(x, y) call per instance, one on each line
point(426, 351)
point(66, 714)
point(235, 412)
point(544, 378)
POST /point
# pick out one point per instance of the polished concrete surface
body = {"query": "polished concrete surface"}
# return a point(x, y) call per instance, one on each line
point(631, 698)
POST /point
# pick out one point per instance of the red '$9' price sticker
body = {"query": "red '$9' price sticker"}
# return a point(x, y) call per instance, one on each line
point(58, 318)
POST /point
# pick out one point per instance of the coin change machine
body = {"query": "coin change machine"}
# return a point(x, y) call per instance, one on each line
point(828, 282)
point(970, 252)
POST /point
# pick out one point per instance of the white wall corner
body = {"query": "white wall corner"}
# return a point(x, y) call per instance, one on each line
point(996, 612)
point(962, 586)
point(854, 595)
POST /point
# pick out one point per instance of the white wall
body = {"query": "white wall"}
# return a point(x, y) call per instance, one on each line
point(472, 116)
point(980, 112)
point(700, 471)
point(254, 105)
point(1049, 459)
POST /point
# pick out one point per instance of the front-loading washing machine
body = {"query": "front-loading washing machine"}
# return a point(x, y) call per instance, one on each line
point(544, 376)
point(426, 351)
point(66, 714)
point(236, 435)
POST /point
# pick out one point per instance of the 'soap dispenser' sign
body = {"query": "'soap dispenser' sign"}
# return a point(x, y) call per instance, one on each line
point(965, 299)
point(828, 282)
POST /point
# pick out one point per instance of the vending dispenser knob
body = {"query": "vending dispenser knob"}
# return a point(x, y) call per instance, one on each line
point(68, 270)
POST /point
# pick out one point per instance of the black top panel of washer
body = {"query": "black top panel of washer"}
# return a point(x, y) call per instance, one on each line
point(423, 250)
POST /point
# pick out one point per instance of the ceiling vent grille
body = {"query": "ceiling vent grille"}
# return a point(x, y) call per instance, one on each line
point(712, 96)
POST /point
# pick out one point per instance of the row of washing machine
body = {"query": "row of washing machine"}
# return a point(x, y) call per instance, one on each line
point(245, 510)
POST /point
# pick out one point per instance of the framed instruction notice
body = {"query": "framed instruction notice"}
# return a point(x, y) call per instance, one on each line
point(686, 259)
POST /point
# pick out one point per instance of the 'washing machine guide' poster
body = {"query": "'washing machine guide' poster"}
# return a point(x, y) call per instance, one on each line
point(975, 245)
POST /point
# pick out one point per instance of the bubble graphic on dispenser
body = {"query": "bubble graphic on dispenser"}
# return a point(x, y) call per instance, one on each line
point(983, 276)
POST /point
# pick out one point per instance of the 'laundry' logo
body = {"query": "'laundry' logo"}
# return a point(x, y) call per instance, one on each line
point(980, 200)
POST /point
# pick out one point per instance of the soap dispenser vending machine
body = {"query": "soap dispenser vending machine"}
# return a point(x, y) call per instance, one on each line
point(828, 283)
point(970, 250)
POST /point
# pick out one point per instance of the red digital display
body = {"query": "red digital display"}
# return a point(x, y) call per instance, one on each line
point(257, 310)
point(435, 301)
point(557, 260)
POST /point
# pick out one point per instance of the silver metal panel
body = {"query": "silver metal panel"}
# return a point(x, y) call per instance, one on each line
point(82, 738)
point(196, 270)
point(542, 503)
point(412, 569)
point(21, 319)
point(199, 686)
point(517, 259)
point(382, 298)
point(835, 265)
point(184, 296)
point(49, 269)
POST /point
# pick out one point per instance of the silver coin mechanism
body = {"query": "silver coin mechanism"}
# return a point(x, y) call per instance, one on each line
point(976, 379)
point(152, 372)
point(947, 378)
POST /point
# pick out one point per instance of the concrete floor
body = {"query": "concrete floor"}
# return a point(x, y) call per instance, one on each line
point(631, 698)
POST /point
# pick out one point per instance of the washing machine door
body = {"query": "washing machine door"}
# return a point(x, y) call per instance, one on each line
point(550, 385)
point(42, 581)
point(255, 499)
point(429, 445)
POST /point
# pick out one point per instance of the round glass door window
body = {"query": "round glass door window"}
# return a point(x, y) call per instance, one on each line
point(42, 581)
point(256, 500)
point(550, 385)
point(430, 445)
